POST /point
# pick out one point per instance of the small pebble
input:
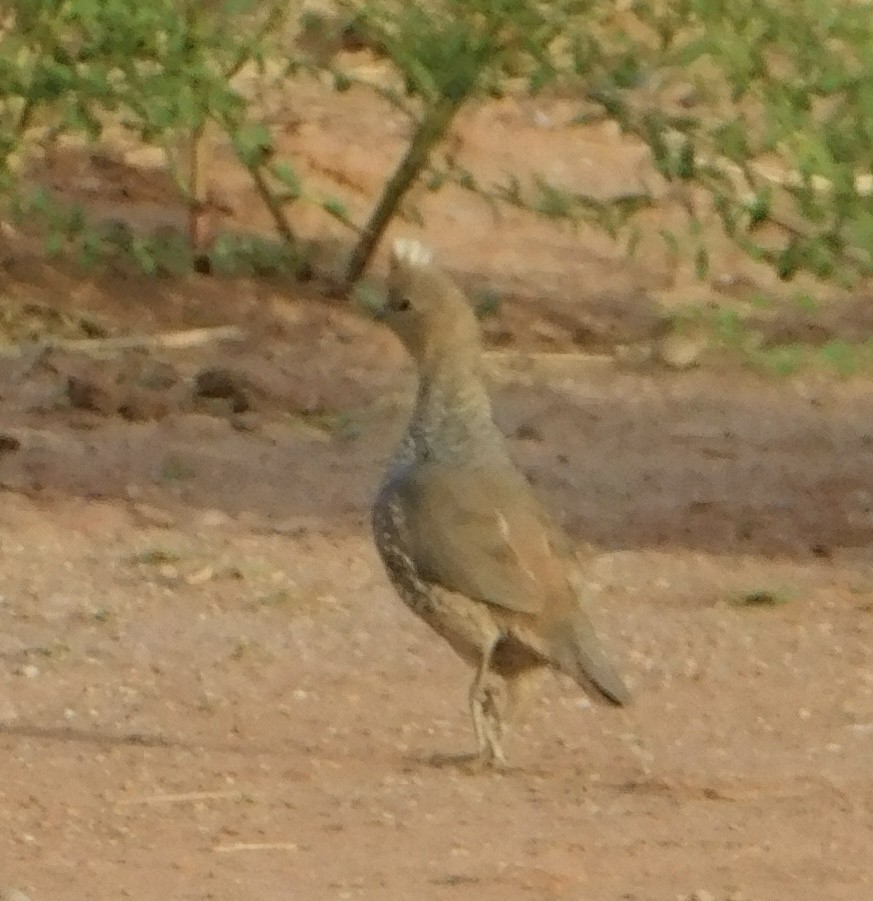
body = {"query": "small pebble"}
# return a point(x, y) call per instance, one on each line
point(216, 382)
point(155, 516)
point(9, 443)
point(12, 894)
point(214, 518)
point(8, 712)
point(200, 576)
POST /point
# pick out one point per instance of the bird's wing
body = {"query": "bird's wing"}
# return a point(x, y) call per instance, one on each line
point(481, 532)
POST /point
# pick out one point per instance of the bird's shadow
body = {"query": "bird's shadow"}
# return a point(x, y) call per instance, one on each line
point(85, 736)
point(470, 763)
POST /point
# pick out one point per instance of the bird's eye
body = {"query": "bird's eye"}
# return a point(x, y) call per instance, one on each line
point(402, 304)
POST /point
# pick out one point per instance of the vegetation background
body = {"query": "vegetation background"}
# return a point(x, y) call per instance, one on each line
point(755, 117)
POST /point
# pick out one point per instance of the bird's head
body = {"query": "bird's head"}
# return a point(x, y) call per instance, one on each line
point(425, 308)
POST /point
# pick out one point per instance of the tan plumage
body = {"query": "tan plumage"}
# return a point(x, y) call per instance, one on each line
point(464, 540)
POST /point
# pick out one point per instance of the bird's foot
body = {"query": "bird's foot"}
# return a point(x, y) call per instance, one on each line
point(494, 722)
point(461, 761)
point(495, 759)
point(489, 727)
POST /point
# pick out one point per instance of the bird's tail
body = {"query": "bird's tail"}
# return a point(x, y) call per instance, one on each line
point(576, 650)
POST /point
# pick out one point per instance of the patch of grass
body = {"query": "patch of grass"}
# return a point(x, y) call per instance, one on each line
point(732, 332)
point(487, 303)
point(762, 597)
point(730, 329)
point(340, 425)
point(760, 300)
point(254, 255)
point(782, 360)
point(156, 556)
point(838, 357)
point(688, 316)
point(842, 356)
point(175, 469)
point(248, 649)
point(806, 302)
point(207, 704)
point(56, 650)
point(28, 320)
point(240, 649)
point(726, 327)
point(278, 598)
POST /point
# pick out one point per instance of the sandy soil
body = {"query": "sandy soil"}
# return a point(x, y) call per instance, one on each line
point(207, 687)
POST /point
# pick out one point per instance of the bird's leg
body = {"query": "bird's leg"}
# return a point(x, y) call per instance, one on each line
point(501, 702)
point(495, 707)
point(487, 721)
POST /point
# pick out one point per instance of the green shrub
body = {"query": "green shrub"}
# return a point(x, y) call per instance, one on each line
point(758, 112)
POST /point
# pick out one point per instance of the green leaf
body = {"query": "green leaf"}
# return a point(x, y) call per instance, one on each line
point(726, 213)
point(732, 139)
point(144, 255)
point(289, 179)
point(341, 82)
point(672, 242)
point(633, 241)
point(54, 244)
point(685, 164)
point(789, 260)
point(758, 208)
point(701, 263)
point(253, 144)
point(436, 179)
point(336, 208)
point(842, 356)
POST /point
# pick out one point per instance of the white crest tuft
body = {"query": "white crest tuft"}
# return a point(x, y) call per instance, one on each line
point(411, 252)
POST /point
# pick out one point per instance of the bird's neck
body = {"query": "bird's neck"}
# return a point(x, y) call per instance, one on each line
point(452, 419)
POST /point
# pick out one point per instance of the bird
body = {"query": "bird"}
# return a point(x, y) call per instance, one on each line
point(463, 538)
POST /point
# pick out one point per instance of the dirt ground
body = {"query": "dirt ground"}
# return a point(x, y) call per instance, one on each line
point(207, 687)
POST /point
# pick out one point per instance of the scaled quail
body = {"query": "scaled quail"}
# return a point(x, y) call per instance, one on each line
point(465, 542)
